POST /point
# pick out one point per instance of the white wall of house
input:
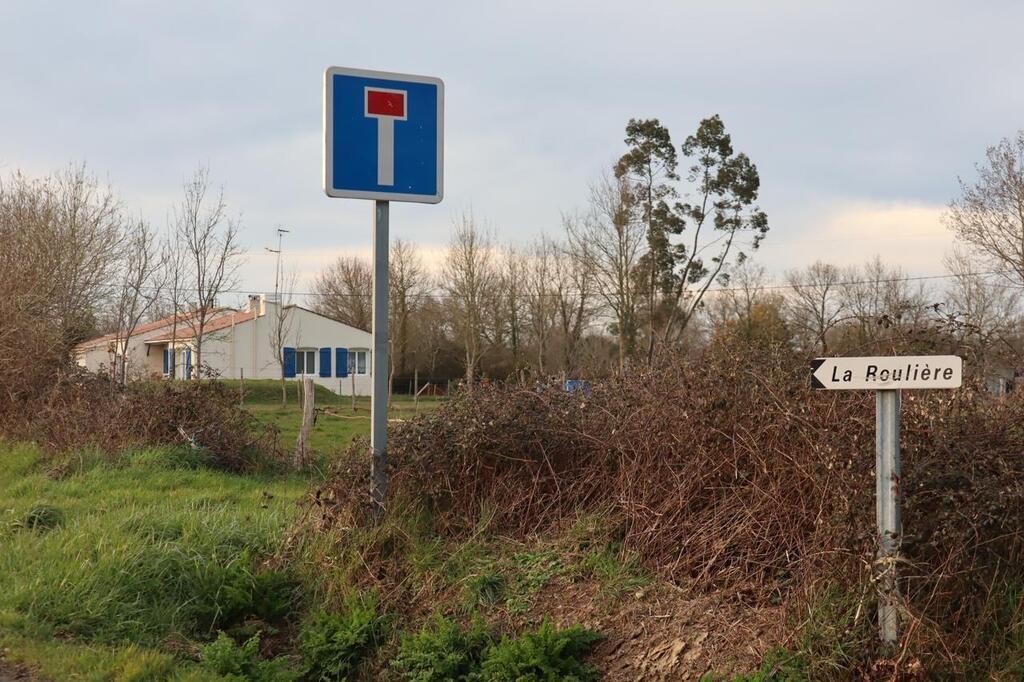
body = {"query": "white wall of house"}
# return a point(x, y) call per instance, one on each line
point(246, 348)
point(95, 359)
point(143, 360)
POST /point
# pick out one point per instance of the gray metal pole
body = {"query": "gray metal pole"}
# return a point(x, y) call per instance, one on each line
point(887, 511)
point(379, 390)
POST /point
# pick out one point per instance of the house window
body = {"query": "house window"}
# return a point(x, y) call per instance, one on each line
point(305, 362)
point(358, 362)
point(184, 364)
point(170, 360)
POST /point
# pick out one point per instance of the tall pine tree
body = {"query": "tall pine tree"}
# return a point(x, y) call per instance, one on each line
point(690, 242)
point(649, 166)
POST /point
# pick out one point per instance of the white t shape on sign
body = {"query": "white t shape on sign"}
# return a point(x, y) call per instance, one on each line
point(387, 106)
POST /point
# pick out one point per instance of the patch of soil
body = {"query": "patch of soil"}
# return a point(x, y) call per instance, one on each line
point(661, 633)
point(16, 672)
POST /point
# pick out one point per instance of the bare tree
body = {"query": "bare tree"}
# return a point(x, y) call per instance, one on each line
point(573, 288)
point(815, 303)
point(882, 303)
point(89, 216)
point(431, 335)
point(514, 267)
point(210, 240)
point(989, 216)
point(344, 292)
point(281, 326)
point(70, 230)
point(538, 297)
point(735, 304)
point(615, 242)
point(62, 237)
point(173, 261)
point(408, 283)
point(470, 278)
point(747, 309)
point(985, 311)
point(140, 288)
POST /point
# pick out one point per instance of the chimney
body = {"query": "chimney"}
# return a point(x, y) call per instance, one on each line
point(257, 304)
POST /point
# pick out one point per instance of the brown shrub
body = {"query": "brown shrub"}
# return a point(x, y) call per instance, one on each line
point(81, 409)
point(729, 473)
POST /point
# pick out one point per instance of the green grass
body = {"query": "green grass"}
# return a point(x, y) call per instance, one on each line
point(337, 423)
point(67, 660)
point(123, 557)
point(268, 391)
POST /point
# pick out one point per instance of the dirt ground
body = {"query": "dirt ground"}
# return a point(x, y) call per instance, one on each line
point(15, 672)
point(662, 633)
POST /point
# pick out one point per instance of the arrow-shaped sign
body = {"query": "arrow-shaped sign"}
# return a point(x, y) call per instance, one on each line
point(914, 371)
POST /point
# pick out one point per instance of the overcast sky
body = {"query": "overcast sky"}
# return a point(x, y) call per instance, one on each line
point(859, 116)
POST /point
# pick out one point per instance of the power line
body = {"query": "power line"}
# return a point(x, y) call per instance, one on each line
point(441, 293)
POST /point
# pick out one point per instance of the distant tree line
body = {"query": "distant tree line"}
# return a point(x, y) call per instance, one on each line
point(655, 265)
point(653, 268)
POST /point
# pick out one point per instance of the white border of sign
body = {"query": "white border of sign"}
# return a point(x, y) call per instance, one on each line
point(328, 179)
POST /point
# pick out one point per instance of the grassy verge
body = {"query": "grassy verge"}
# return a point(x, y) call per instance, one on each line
point(337, 422)
point(135, 567)
point(117, 565)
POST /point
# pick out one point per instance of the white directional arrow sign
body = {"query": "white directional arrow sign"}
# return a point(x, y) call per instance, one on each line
point(887, 373)
point(887, 376)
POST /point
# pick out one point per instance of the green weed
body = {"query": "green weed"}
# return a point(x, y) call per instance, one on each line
point(834, 634)
point(242, 663)
point(59, 659)
point(549, 653)
point(837, 630)
point(169, 458)
point(333, 644)
point(442, 651)
point(615, 575)
point(779, 665)
point(534, 570)
point(1001, 643)
point(485, 587)
point(42, 518)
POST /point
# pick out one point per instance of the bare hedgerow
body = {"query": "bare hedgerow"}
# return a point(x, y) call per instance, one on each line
point(83, 410)
point(730, 473)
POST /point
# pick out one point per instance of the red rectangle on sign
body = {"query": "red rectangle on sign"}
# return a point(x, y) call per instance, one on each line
point(385, 103)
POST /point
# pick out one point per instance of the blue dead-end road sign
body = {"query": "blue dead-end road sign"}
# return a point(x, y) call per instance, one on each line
point(383, 136)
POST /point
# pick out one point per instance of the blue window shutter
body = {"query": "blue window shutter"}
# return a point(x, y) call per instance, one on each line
point(166, 363)
point(341, 362)
point(188, 363)
point(289, 362)
point(325, 362)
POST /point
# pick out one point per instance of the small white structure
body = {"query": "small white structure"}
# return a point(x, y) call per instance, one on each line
point(240, 343)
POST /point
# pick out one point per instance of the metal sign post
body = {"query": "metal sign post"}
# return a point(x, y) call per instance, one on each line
point(383, 140)
point(887, 376)
point(887, 510)
point(379, 387)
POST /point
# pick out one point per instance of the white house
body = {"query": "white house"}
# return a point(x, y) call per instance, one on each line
point(240, 343)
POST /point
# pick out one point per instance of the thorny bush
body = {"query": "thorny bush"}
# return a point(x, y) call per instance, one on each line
point(730, 473)
point(79, 410)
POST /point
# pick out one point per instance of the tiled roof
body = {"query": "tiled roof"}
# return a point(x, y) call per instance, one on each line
point(219, 321)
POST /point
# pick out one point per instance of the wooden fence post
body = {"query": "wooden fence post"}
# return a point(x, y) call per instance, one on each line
point(302, 447)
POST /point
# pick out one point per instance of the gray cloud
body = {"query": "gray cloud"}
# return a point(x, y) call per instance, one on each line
point(869, 104)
